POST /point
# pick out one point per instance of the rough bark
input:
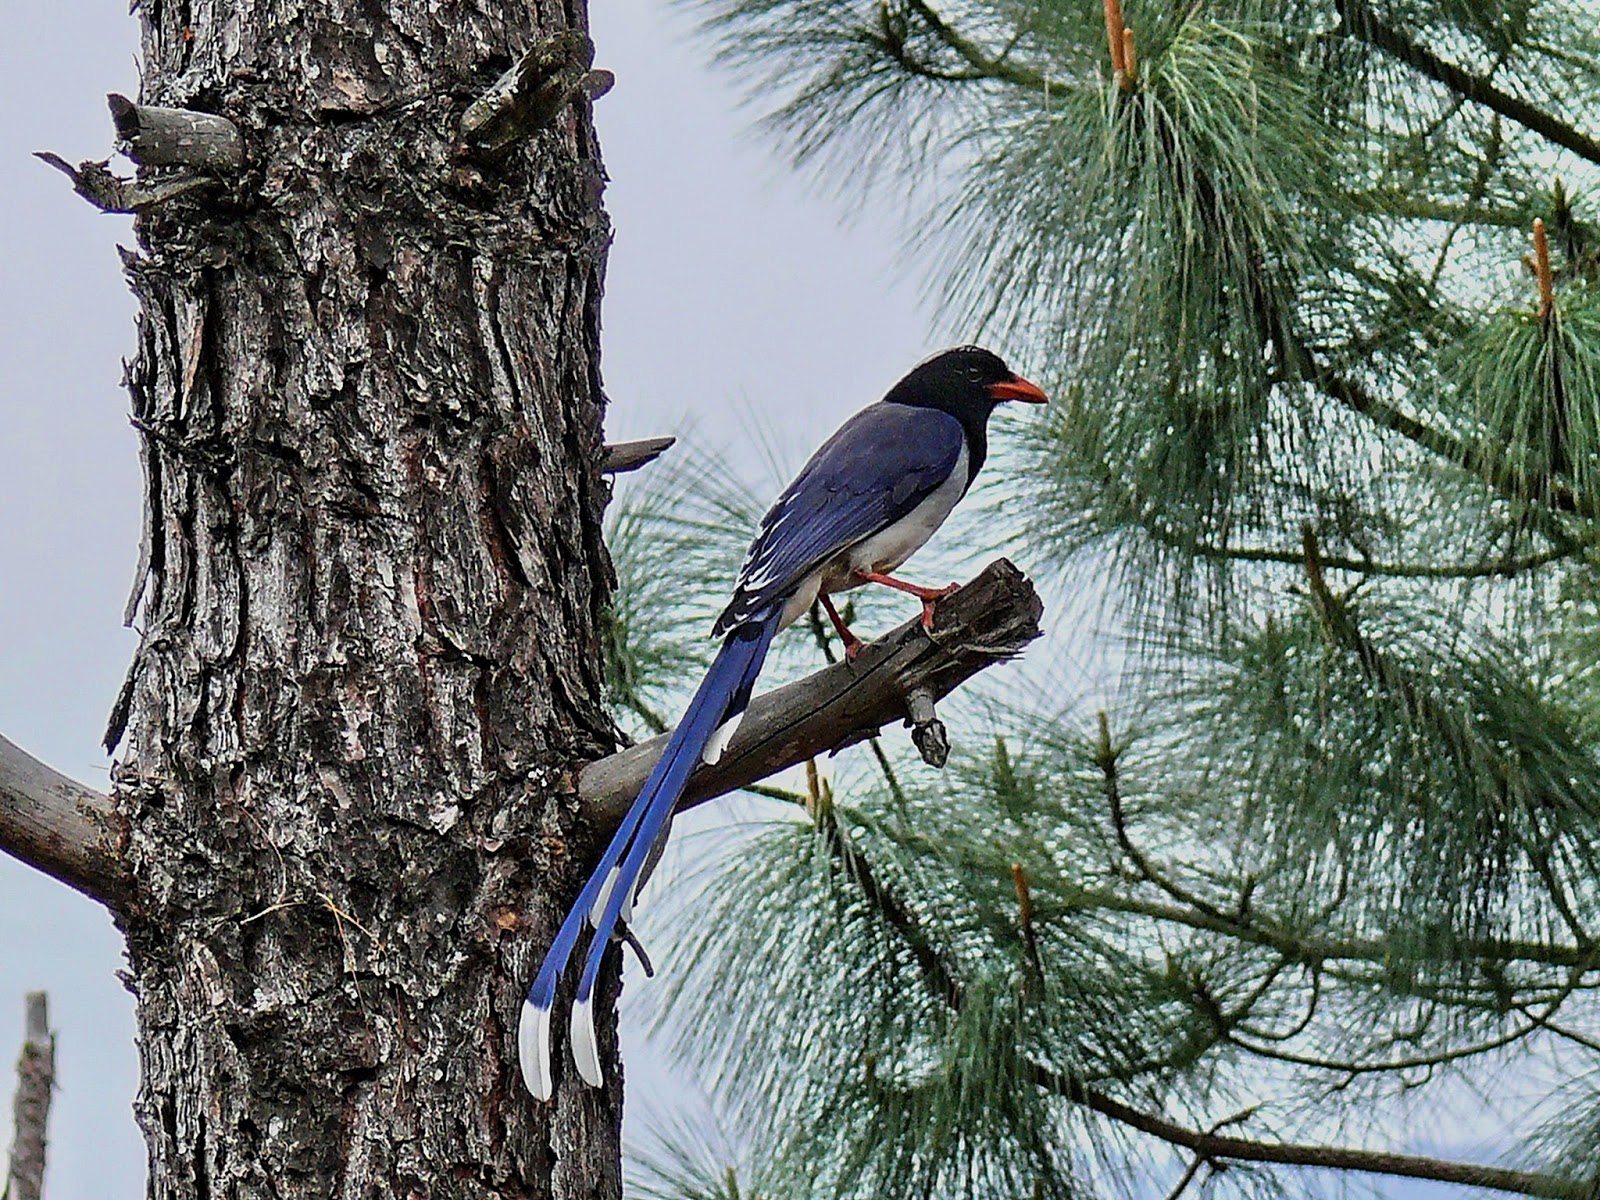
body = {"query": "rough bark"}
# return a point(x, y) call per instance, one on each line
point(368, 393)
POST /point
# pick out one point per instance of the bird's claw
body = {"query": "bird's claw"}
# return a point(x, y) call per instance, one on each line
point(932, 598)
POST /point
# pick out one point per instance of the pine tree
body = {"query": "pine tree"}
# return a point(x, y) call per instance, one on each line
point(1317, 287)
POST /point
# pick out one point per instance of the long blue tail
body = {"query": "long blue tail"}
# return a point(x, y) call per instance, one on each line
point(720, 700)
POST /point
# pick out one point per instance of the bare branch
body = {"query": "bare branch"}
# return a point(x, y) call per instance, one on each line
point(989, 620)
point(176, 137)
point(630, 456)
point(61, 827)
point(36, 1077)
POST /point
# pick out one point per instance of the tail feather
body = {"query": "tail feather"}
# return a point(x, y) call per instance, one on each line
point(615, 878)
point(733, 714)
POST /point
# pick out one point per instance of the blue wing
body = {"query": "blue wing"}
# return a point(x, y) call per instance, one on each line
point(880, 465)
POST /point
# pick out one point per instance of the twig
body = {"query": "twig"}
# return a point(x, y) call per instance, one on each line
point(111, 193)
point(989, 620)
point(36, 1077)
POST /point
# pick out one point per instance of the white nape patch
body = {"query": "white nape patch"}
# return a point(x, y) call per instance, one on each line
point(598, 908)
point(584, 1050)
point(533, 1050)
point(719, 739)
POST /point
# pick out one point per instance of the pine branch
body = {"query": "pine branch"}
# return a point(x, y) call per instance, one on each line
point(1335, 1158)
point(1461, 452)
point(1314, 951)
point(1363, 24)
point(942, 982)
point(1504, 567)
point(984, 65)
point(61, 827)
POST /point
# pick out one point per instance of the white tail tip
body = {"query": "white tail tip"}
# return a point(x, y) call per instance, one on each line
point(719, 739)
point(598, 908)
point(533, 1050)
point(584, 1050)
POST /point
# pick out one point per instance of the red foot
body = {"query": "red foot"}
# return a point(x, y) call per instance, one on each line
point(927, 595)
point(852, 644)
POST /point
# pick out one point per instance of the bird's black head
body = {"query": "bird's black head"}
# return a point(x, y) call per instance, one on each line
point(966, 382)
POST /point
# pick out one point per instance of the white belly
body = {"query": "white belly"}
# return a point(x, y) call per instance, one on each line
point(886, 550)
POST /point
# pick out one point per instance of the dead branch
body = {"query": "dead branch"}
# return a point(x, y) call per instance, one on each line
point(36, 1077)
point(630, 456)
point(530, 95)
point(989, 620)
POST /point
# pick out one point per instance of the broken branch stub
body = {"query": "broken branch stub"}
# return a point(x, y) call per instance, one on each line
point(30, 1111)
point(531, 93)
point(176, 137)
point(111, 193)
point(928, 733)
point(630, 456)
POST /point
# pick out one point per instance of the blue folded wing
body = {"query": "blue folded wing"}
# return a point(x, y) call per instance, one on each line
point(875, 470)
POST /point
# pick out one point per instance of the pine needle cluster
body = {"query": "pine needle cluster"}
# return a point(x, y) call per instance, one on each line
point(1316, 288)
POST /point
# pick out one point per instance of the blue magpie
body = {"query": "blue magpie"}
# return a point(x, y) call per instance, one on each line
point(867, 500)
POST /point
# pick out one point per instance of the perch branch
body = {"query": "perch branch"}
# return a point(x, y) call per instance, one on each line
point(528, 96)
point(630, 456)
point(989, 620)
point(36, 1077)
point(61, 827)
point(176, 137)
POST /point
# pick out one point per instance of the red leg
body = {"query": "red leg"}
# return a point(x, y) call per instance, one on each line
point(852, 644)
point(927, 595)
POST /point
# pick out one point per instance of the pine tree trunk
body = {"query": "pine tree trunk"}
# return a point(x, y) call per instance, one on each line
point(367, 385)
